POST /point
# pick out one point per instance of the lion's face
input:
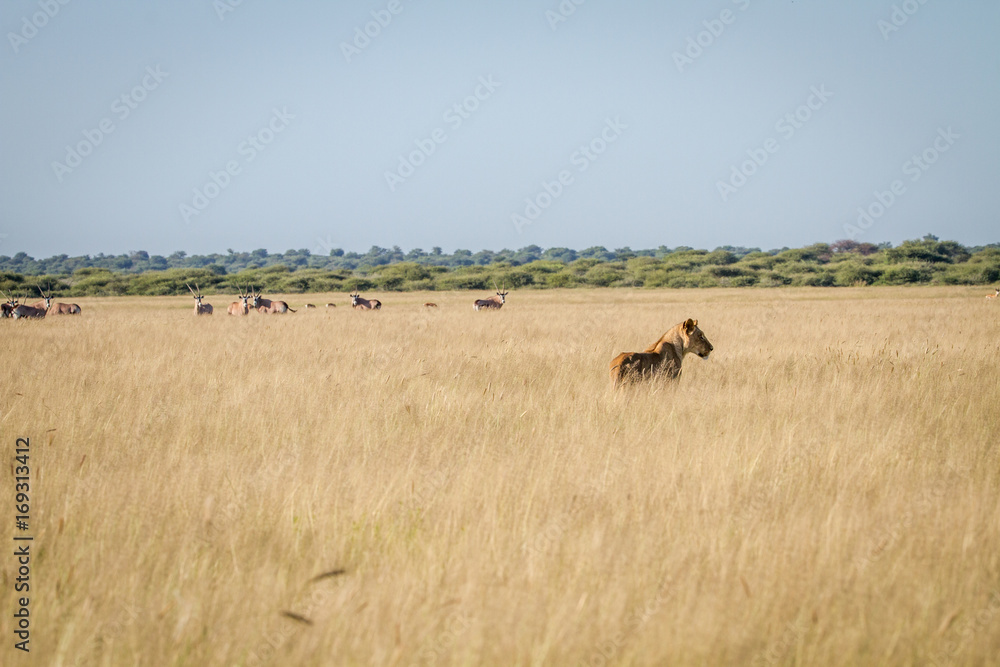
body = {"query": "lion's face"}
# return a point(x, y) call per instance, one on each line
point(695, 340)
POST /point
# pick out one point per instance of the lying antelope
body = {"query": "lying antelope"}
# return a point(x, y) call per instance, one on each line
point(8, 306)
point(241, 307)
point(994, 295)
point(199, 307)
point(364, 304)
point(496, 301)
point(309, 305)
point(663, 357)
point(266, 306)
point(430, 305)
point(56, 308)
point(19, 311)
point(331, 305)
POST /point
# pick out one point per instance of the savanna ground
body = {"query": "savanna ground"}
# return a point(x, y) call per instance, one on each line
point(825, 490)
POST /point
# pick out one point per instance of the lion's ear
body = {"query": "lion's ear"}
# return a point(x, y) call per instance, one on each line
point(690, 325)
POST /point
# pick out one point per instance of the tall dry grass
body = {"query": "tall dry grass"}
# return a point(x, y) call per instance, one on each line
point(824, 490)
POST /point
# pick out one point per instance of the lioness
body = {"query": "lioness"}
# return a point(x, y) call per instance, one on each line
point(664, 356)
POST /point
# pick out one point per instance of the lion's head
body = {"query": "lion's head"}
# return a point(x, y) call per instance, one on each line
point(695, 340)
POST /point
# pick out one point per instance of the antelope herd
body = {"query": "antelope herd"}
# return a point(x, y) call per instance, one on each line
point(15, 309)
point(661, 359)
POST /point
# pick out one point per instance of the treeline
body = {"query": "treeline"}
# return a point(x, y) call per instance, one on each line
point(334, 260)
point(844, 263)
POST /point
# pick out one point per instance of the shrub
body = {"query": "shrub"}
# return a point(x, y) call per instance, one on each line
point(464, 281)
point(601, 276)
point(720, 257)
point(852, 273)
point(561, 279)
point(740, 281)
point(904, 275)
point(356, 284)
point(725, 271)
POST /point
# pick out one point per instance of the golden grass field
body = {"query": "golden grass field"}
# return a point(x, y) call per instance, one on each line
point(825, 490)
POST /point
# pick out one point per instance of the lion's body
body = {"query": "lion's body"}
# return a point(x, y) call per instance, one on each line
point(662, 358)
point(635, 366)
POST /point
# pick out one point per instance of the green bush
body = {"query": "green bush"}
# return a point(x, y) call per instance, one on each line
point(601, 276)
point(817, 279)
point(740, 281)
point(692, 280)
point(968, 274)
point(725, 271)
point(421, 285)
point(357, 284)
point(457, 281)
point(849, 274)
point(561, 279)
point(720, 257)
point(905, 275)
point(517, 278)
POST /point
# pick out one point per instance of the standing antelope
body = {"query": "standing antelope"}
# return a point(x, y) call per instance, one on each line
point(364, 304)
point(241, 307)
point(262, 305)
point(496, 301)
point(199, 307)
point(663, 357)
point(31, 312)
point(994, 295)
point(56, 308)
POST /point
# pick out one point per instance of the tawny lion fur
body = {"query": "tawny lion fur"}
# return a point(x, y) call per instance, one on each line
point(663, 357)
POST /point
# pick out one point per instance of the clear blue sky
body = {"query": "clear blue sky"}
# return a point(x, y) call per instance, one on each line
point(113, 115)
